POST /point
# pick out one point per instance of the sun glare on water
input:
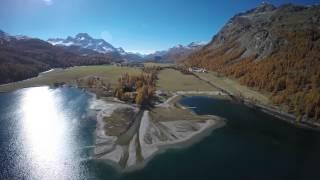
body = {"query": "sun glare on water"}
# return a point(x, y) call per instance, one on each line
point(45, 128)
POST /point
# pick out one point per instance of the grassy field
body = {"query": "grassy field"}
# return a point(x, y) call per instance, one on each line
point(235, 87)
point(150, 64)
point(70, 75)
point(173, 80)
point(169, 80)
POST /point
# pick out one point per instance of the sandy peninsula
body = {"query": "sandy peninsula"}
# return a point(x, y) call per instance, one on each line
point(128, 137)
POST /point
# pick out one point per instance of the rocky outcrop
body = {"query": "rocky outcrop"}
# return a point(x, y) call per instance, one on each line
point(258, 31)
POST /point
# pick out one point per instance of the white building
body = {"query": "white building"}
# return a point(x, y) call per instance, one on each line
point(198, 70)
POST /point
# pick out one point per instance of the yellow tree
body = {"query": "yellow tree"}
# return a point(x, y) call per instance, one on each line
point(140, 97)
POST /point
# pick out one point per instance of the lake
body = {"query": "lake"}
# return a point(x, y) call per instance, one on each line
point(49, 133)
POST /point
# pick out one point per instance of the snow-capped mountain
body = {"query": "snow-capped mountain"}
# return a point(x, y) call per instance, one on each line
point(175, 53)
point(85, 41)
point(4, 36)
point(84, 45)
point(192, 45)
point(196, 44)
point(7, 37)
point(121, 51)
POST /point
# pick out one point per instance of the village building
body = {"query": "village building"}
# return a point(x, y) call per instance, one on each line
point(198, 70)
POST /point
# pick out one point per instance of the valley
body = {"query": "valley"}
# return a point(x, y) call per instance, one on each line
point(198, 90)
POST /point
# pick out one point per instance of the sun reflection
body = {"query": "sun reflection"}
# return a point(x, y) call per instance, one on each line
point(44, 125)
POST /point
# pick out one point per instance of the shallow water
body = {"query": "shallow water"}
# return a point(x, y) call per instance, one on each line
point(48, 134)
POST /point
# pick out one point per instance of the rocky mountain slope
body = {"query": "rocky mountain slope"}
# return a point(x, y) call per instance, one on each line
point(275, 49)
point(175, 53)
point(23, 57)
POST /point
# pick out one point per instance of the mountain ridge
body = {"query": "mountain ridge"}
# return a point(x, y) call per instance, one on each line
point(175, 53)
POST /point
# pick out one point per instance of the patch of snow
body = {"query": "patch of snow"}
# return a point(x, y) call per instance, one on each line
point(55, 42)
point(61, 43)
point(67, 44)
point(21, 37)
point(107, 49)
point(88, 45)
point(84, 41)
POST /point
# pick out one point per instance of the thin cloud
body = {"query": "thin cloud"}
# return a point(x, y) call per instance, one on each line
point(48, 2)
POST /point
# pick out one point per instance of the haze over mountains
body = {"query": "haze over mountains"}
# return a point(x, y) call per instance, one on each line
point(274, 49)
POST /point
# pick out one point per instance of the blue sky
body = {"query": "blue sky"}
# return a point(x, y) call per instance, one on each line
point(136, 25)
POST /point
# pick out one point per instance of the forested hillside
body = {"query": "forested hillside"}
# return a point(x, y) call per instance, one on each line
point(276, 49)
point(22, 58)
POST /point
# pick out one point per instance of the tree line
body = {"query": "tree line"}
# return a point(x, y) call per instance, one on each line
point(138, 89)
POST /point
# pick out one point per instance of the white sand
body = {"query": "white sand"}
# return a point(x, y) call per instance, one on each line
point(166, 104)
point(114, 155)
point(153, 136)
point(132, 152)
point(106, 147)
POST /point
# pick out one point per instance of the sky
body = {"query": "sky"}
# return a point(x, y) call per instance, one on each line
point(142, 26)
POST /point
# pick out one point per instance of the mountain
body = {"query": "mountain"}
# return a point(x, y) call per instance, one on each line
point(83, 44)
point(85, 41)
point(175, 53)
point(4, 37)
point(22, 57)
point(133, 57)
point(274, 49)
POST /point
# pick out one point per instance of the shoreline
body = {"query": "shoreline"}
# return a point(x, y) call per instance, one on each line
point(284, 116)
point(197, 137)
point(290, 118)
point(270, 110)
